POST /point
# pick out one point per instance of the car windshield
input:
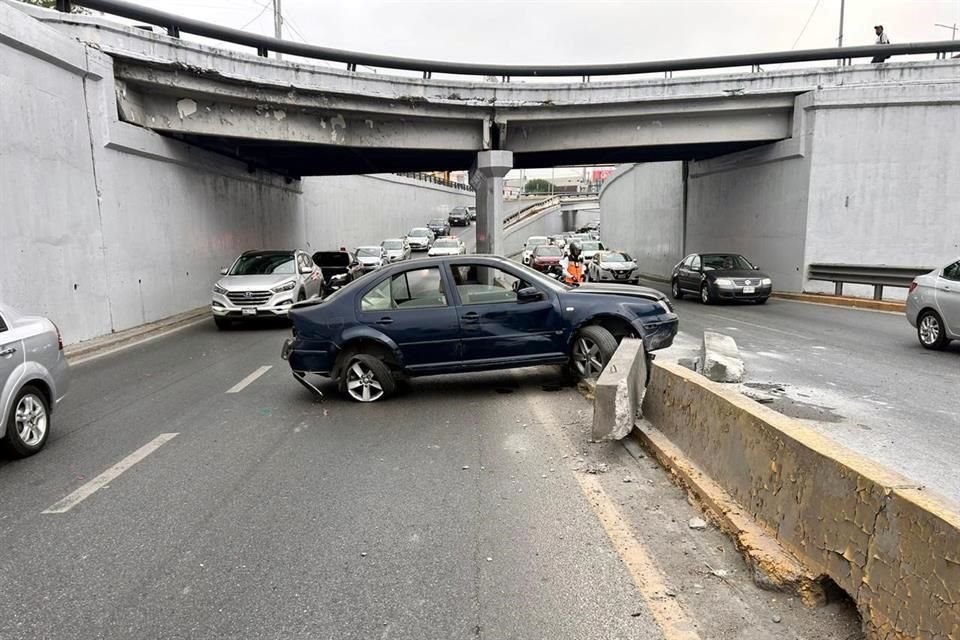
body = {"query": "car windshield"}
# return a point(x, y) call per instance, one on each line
point(590, 245)
point(446, 243)
point(547, 250)
point(419, 232)
point(392, 244)
point(368, 252)
point(437, 221)
point(459, 210)
point(255, 264)
point(534, 241)
point(725, 262)
point(615, 256)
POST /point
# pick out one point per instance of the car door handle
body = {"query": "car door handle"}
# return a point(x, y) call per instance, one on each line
point(8, 352)
point(471, 317)
point(385, 320)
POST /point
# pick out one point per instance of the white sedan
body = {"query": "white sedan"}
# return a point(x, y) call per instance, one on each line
point(447, 247)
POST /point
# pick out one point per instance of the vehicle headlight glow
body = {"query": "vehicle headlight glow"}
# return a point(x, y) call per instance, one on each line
point(724, 282)
point(218, 289)
point(766, 282)
point(286, 286)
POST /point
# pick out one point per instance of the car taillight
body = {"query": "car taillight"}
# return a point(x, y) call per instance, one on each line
point(913, 285)
point(59, 337)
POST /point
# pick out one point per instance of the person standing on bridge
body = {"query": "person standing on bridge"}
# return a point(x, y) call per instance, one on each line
point(881, 39)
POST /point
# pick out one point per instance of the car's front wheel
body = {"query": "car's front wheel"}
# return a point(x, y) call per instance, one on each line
point(705, 295)
point(368, 378)
point(28, 424)
point(593, 347)
point(930, 331)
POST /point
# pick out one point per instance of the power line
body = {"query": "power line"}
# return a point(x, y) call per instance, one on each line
point(263, 9)
point(806, 24)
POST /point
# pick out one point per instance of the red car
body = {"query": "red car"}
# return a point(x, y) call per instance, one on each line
point(546, 259)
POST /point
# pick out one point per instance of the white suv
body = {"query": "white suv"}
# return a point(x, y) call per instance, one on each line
point(264, 284)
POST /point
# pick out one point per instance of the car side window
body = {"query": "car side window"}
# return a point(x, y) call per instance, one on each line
point(688, 262)
point(378, 298)
point(483, 284)
point(3, 325)
point(417, 289)
point(952, 272)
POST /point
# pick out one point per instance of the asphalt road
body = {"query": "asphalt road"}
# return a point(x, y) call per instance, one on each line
point(857, 376)
point(459, 509)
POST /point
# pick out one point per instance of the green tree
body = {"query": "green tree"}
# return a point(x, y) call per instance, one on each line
point(538, 185)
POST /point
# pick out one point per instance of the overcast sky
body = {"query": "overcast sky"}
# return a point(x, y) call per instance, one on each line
point(578, 31)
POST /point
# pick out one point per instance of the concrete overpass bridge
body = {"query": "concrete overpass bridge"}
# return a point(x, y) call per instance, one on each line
point(301, 119)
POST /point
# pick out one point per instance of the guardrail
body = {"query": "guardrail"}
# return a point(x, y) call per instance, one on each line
point(532, 210)
point(175, 24)
point(427, 177)
point(877, 275)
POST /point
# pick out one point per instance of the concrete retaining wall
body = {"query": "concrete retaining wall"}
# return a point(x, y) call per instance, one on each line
point(105, 226)
point(548, 222)
point(891, 545)
point(642, 207)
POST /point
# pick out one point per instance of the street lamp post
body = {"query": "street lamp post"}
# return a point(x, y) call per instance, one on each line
point(953, 29)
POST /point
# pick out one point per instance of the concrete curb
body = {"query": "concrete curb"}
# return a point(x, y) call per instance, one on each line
point(843, 301)
point(89, 349)
point(891, 545)
point(619, 391)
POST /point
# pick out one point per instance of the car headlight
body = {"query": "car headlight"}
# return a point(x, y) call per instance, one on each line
point(766, 282)
point(665, 306)
point(218, 289)
point(286, 286)
point(724, 282)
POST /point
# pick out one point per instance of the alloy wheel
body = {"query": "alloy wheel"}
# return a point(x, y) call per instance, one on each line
point(929, 329)
point(586, 358)
point(31, 420)
point(362, 383)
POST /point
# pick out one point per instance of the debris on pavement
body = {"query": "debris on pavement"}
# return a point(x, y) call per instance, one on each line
point(595, 468)
point(698, 524)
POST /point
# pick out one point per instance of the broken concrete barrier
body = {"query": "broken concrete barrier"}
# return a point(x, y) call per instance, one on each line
point(892, 545)
point(721, 360)
point(619, 391)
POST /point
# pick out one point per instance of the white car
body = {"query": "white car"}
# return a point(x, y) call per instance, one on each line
point(420, 239)
point(371, 257)
point(264, 284)
point(531, 243)
point(933, 306)
point(589, 248)
point(613, 266)
point(397, 249)
point(447, 247)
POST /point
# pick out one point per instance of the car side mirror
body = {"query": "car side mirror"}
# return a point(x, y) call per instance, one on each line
point(756, 267)
point(529, 294)
point(223, 271)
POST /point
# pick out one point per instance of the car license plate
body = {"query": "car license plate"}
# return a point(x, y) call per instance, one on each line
point(749, 289)
point(249, 312)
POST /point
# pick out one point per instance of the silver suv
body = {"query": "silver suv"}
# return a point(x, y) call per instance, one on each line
point(933, 306)
point(264, 284)
point(34, 376)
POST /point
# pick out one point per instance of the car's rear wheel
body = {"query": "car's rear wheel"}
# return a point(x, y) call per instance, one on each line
point(930, 331)
point(705, 296)
point(222, 323)
point(593, 347)
point(675, 289)
point(368, 378)
point(28, 424)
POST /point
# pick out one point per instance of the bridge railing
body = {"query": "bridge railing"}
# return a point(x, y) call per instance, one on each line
point(175, 25)
point(531, 210)
point(429, 177)
point(877, 275)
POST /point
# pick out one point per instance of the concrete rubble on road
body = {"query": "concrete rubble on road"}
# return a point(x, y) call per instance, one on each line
point(721, 361)
point(619, 391)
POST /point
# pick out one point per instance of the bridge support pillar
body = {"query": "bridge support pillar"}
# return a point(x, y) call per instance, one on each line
point(486, 177)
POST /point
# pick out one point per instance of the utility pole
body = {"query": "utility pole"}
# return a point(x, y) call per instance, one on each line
point(840, 36)
point(953, 29)
point(277, 23)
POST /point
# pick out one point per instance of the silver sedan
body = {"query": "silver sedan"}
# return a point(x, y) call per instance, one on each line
point(933, 306)
point(34, 377)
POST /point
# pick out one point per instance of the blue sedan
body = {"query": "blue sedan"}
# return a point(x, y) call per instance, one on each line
point(466, 313)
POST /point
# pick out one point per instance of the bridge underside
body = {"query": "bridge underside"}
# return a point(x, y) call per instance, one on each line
point(303, 159)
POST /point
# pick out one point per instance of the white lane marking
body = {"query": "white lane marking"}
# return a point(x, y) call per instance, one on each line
point(102, 480)
point(243, 384)
point(134, 343)
point(760, 326)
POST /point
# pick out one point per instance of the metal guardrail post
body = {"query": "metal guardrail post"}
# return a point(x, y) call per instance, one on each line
point(878, 292)
point(64, 6)
point(838, 289)
point(263, 52)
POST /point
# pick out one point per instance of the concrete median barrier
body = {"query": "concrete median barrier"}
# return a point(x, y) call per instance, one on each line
point(888, 543)
point(618, 393)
